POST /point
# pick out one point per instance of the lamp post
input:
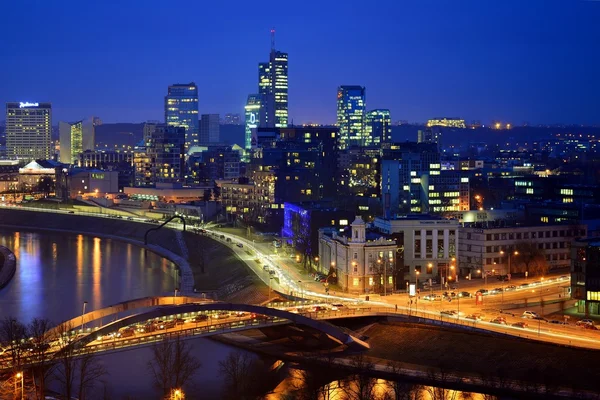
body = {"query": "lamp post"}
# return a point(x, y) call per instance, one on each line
point(417, 297)
point(317, 262)
point(20, 376)
point(82, 313)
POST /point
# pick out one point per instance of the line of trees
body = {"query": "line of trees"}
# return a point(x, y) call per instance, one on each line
point(30, 348)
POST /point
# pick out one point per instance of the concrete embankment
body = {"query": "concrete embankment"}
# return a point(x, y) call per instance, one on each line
point(8, 266)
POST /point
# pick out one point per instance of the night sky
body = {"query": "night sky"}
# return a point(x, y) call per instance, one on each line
point(510, 60)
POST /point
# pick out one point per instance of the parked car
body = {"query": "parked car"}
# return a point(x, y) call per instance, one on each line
point(497, 290)
point(483, 291)
point(499, 320)
point(530, 314)
point(464, 294)
point(520, 325)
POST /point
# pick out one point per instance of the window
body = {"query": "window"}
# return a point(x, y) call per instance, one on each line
point(370, 281)
point(356, 256)
point(488, 236)
point(417, 233)
point(390, 280)
point(488, 249)
point(488, 261)
point(418, 268)
point(355, 282)
point(355, 269)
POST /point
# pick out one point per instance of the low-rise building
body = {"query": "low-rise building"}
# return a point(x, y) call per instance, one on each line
point(361, 261)
point(429, 245)
point(167, 193)
point(585, 275)
point(540, 247)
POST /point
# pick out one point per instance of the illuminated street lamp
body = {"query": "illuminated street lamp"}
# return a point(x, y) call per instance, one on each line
point(20, 376)
point(177, 394)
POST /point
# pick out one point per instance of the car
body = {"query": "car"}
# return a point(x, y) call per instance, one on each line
point(337, 306)
point(591, 327)
point(464, 294)
point(239, 245)
point(222, 314)
point(168, 325)
point(265, 267)
point(530, 314)
point(502, 278)
point(200, 318)
point(483, 291)
point(71, 212)
point(523, 285)
point(535, 283)
point(148, 328)
point(179, 321)
point(239, 314)
point(510, 288)
point(520, 325)
point(475, 317)
point(129, 219)
point(558, 322)
point(451, 313)
point(433, 297)
point(563, 278)
point(498, 320)
point(497, 290)
point(584, 322)
point(125, 333)
point(228, 240)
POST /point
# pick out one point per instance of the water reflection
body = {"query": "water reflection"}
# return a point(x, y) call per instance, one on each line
point(56, 273)
point(314, 385)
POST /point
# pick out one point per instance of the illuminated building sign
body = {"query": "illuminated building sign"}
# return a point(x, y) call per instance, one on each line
point(28, 104)
point(98, 176)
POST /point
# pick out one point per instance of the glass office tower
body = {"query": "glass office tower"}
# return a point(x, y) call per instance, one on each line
point(378, 127)
point(351, 116)
point(273, 87)
point(181, 109)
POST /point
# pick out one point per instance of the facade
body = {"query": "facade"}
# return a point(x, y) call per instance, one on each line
point(585, 275)
point(362, 262)
point(109, 160)
point(360, 171)
point(166, 193)
point(301, 224)
point(181, 109)
point(214, 163)
point(480, 248)
point(447, 122)
point(166, 149)
point(209, 128)
point(75, 138)
point(429, 245)
point(430, 135)
point(143, 175)
point(351, 116)
point(241, 200)
point(378, 127)
point(35, 171)
point(252, 118)
point(28, 131)
point(273, 90)
point(92, 182)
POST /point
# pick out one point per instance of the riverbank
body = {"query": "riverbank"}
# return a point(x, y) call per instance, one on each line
point(8, 266)
point(215, 269)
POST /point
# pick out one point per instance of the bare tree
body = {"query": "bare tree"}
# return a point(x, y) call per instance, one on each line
point(66, 361)
point(90, 371)
point(398, 390)
point(13, 336)
point(172, 365)
point(360, 385)
point(243, 376)
point(41, 339)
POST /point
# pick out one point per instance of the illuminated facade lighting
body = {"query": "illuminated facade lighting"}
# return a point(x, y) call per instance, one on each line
point(378, 127)
point(447, 123)
point(181, 109)
point(28, 129)
point(273, 89)
point(351, 116)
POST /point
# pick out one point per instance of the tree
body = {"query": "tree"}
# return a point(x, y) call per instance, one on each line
point(46, 185)
point(360, 385)
point(90, 370)
point(66, 362)
point(41, 338)
point(242, 376)
point(13, 336)
point(172, 364)
point(531, 258)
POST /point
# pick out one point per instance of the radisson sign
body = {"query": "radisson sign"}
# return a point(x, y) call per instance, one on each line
point(28, 104)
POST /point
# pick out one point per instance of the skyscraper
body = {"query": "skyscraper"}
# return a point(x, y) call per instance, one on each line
point(28, 129)
point(165, 149)
point(351, 115)
point(252, 118)
point(75, 138)
point(273, 87)
point(209, 128)
point(181, 109)
point(378, 127)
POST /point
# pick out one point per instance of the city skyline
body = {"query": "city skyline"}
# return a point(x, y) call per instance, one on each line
point(517, 68)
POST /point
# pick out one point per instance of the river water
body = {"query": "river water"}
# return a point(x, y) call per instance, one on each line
point(56, 273)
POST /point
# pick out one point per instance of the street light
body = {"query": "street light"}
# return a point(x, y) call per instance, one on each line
point(417, 297)
point(20, 376)
point(82, 313)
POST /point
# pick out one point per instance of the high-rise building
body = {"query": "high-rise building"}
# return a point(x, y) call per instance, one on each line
point(181, 109)
point(75, 138)
point(378, 127)
point(232, 119)
point(209, 128)
point(28, 130)
point(351, 116)
point(166, 150)
point(273, 87)
point(252, 118)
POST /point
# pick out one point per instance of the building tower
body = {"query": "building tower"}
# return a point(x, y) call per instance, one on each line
point(75, 138)
point(351, 116)
point(273, 88)
point(28, 129)
point(378, 127)
point(252, 118)
point(181, 109)
point(209, 129)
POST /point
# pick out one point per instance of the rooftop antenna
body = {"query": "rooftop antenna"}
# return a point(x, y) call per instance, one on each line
point(272, 39)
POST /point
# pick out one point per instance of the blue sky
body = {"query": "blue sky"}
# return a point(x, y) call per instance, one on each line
point(511, 60)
